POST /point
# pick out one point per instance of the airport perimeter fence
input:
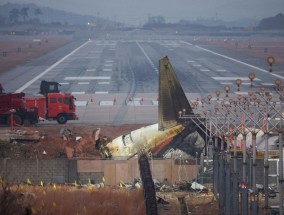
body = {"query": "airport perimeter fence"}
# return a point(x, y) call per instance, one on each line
point(239, 185)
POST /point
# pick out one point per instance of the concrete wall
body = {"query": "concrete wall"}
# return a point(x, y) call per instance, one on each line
point(18, 170)
point(114, 171)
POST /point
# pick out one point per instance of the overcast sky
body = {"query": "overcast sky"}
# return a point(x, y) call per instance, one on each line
point(138, 11)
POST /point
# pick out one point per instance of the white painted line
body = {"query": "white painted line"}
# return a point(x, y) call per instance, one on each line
point(133, 103)
point(109, 61)
point(91, 70)
point(145, 54)
point(196, 65)
point(186, 42)
point(204, 70)
point(21, 89)
point(78, 93)
point(88, 78)
point(228, 83)
point(233, 78)
point(107, 70)
point(190, 61)
point(221, 70)
point(246, 83)
point(108, 65)
point(64, 83)
point(83, 82)
point(101, 92)
point(81, 103)
point(155, 103)
point(103, 82)
point(268, 84)
point(106, 103)
point(237, 61)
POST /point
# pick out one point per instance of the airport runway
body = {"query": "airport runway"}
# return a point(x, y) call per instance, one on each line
point(115, 78)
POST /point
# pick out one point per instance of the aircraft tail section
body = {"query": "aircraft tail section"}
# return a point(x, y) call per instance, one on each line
point(172, 98)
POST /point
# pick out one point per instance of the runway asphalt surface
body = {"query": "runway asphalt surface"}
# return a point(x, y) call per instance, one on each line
point(104, 73)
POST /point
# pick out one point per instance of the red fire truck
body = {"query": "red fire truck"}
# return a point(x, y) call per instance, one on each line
point(12, 108)
point(54, 106)
point(50, 105)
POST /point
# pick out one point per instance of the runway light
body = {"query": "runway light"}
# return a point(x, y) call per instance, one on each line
point(218, 94)
point(227, 89)
point(238, 83)
point(270, 61)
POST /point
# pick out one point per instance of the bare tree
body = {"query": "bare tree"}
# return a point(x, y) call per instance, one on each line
point(14, 15)
point(24, 13)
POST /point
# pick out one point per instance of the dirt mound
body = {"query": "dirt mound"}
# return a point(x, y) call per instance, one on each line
point(79, 142)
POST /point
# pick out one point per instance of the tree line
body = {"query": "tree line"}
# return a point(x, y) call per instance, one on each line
point(24, 15)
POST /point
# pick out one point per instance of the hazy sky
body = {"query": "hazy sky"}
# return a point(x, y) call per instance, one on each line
point(138, 11)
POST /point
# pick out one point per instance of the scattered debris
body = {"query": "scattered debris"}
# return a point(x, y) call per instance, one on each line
point(9, 136)
point(66, 134)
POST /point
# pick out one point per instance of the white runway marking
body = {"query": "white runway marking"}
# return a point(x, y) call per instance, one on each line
point(103, 82)
point(109, 61)
point(235, 60)
point(88, 78)
point(233, 78)
point(221, 70)
point(190, 61)
point(83, 82)
point(268, 84)
point(64, 83)
point(81, 103)
point(108, 65)
point(196, 65)
point(106, 103)
point(78, 93)
point(204, 70)
point(21, 89)
point(91, 70)
point(107, 70)
point(101, 92)
point(228, 83)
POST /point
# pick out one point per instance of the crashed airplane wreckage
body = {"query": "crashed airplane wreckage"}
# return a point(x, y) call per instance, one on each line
point(172, 134)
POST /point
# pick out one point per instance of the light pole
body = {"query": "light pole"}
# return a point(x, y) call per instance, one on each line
point(218, 94)
point(227, 89)
point(266, 163)
point(238, 83)
point(280, 179)
point(270, 61)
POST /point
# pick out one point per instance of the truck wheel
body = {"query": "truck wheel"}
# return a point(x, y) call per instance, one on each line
point(17, 120)
point(61, 119)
